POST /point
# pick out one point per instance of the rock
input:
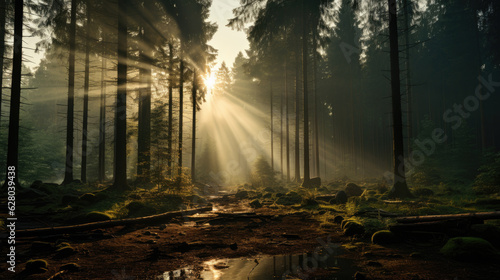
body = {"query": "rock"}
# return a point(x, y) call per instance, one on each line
point(269, 190)
point(255, 204)
point(163, 226)
point(315, 182)
point(423, 192)
point(87, 198)
point(233, 246)
point(36, 266)
point(67, 199)
point(488, 232)
point(382, 237)
point(241, 194)
point(64, 252)
point(96, 216)
point(416, 255)
point(134, 196)
point(469, 249)
point(290, 198)
point(101, 196)
point(341, 197)
point(353, 228)
point(338, 219)
point(368, 254)
point(139, 209)
point(310, 202)
point(267, 195)
point(279, 194)
point(352, 189)
point(71, 267)
point(360, 276)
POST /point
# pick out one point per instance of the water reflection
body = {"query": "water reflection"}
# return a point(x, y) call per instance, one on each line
point(268, 268)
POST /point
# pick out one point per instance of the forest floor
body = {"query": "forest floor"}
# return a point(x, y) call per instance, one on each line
point(292, 227)
point(126, 252)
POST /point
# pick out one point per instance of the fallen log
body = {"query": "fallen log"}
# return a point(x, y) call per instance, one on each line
point(433, 226)
point(111, 223)
point(431, 218)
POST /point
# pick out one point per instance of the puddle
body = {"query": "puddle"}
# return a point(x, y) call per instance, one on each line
point(268, 267)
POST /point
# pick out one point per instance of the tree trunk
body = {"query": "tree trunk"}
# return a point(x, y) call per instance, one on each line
point(102, 123)
point(287, 125)
point(144, 133)
point(68, 173)
point(170, 108)
point(272, 131)
point(281, 135)
point(315, 104)
point(12, 168)
point(297, 116)
point(86, 97)
point(406, 4)
point(306, 96)
point(399, 189)
point(120, 172)
point(181, 112)
point(193, 140)
point(3, 14)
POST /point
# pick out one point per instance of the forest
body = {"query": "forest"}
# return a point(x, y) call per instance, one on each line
point(352, 139)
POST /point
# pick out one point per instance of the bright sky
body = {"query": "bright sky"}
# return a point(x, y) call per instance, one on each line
point(229, 42)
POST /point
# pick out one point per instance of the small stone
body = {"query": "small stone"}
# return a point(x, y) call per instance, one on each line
point(338, 219)
point(233, 246)
point(360, 276)
point(36, 266)
point(162, 227)
point(71, 267)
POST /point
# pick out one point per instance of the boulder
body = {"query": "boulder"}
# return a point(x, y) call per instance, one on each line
point(71, 267)
point(341, 197)
point(338, 219)
point(241, 194)
point(352, 189)
point(382, 237)
point(64, 252)
point(469, 249)
point(353, 228)
point(488, 232)
point(87, 198)
point(309, 202)
point(36, 266)
point(96, 216)
point(290, 198)
point(255, 204)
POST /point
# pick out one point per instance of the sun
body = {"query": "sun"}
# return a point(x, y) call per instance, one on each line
point(210, 81)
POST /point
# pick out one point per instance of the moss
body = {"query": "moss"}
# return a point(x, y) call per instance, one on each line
point(469, 249)
point(138, 208)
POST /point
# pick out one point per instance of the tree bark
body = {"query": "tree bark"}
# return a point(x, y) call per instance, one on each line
point(86, 96)
point(120, 170)
point(193, 140)
point(315, 104)
point(399, 188)
point(306, 95)
point(181, 112)
point(102, 123)
point(287, 125)
point(144, 133)
point(3, 14)
point(68, 173)
point(272, 131)
point(170, 108)
point(12, 168)
point(297, 116)
point(406, 12)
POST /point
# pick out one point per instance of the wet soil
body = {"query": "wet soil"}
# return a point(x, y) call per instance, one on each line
point(148, 252)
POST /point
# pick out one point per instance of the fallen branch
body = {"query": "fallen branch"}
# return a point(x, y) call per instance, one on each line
point(431, 218)
point(111, 223)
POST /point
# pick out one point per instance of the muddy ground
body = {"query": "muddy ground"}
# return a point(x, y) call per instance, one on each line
point(148, 252)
